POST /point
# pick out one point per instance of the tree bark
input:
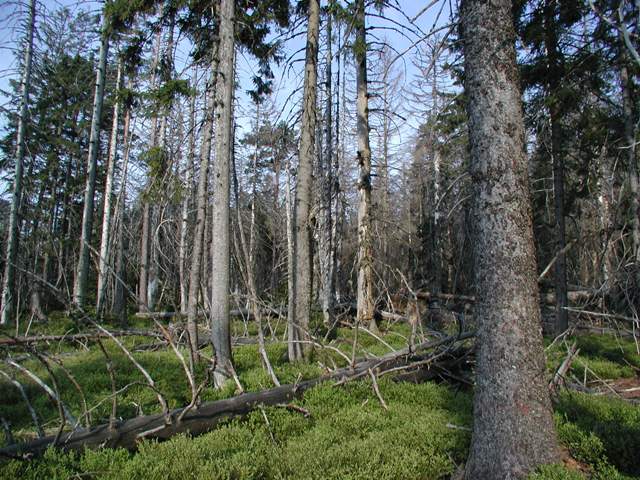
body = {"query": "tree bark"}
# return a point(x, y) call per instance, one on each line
point(145, 239)
point(8, 303)
point(108, 191)
point(302, 241)
point(82, 271)
point(513, 429)
point(186, 203)
point(220, 251)
point(326, 244)
point(365, 248)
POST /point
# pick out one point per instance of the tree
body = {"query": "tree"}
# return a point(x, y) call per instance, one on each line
point(299, 331)
point(8, 302)
point(510, 358)
point(82, 271)
point(220, 251)
point(366, 304)
point(108, 191)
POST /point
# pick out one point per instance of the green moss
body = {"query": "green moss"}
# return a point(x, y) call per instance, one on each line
point(603, 428)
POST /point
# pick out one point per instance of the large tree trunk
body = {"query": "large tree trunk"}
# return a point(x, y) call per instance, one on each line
point(302, 257)
point(108, 191)
point(8, 288)
point(513, 429)
point(201, 212)
point(557, 158)
point(220, 251)
point(82, 272)
point(365, 247)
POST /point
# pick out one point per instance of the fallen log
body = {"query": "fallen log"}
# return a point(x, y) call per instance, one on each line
point(75, 337)
point(128, 433)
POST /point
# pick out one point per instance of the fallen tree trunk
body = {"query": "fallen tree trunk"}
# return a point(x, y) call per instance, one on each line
point(76, 337)
point(128, 433)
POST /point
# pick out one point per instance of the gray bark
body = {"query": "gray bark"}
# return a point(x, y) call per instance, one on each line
point(201, 212)
point(119, 294)
point(145, 239)
point(186, 204)
point(8, 303)
point(82, 271)
point(513, 429)
point(302, 240)
point(365, 245)
point(326, 244)
point(220, 251)
point(108, 191)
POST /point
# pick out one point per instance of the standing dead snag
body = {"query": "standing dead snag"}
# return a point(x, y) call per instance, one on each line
point(513, 429)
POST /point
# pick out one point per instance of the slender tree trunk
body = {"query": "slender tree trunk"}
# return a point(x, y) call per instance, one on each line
point(186, 203)
point(201, 212)
point(108, 191)
point(365, 248)
point(302, 240)
point(326, 245)
point(82, 272)
point(510, 373)
point(119, 294)
point(8, 288)
point(145, 239)
point(557, 157)
point(220, 252)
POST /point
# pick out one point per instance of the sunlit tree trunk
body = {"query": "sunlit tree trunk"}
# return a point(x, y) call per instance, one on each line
point(220, 251)
point(82, 271)
point(302, 257)
point(108, 192)
point(365, 246)
point(197, 254)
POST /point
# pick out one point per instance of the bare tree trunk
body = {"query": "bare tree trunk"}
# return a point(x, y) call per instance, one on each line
point(326, 244)
point(220, 251)
point(510, 374)
point(365, 248)
point(145, 239)
point(186, 203)
point(8, 288)
point(294, 349)
point(201, 212)
point(82, 272)
point(108, 191)
point(119, 294)
point(302, 240)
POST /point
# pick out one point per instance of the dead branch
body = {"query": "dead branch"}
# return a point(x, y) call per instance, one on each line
point(127, 434)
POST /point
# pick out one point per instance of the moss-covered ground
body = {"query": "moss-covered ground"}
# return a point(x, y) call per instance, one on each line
point(424, 434)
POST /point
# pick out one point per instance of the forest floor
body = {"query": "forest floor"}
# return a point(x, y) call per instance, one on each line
point(423, 433)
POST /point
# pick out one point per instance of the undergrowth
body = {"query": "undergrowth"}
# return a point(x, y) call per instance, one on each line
point(424, 434)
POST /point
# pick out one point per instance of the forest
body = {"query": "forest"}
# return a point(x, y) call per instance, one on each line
point(320, 239)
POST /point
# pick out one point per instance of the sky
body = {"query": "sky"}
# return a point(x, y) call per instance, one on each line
point(288, 78)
